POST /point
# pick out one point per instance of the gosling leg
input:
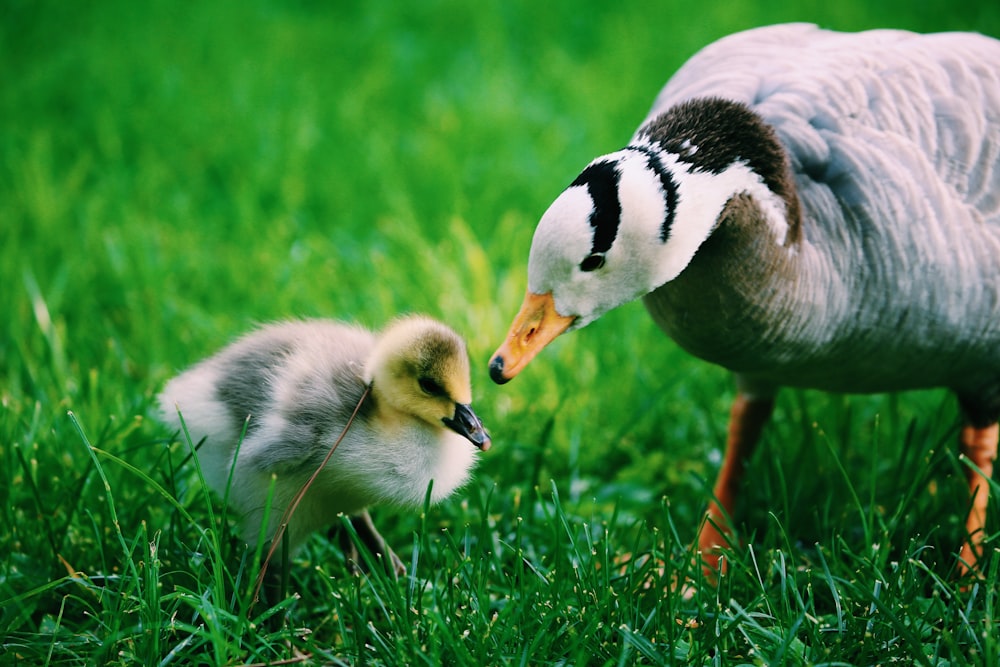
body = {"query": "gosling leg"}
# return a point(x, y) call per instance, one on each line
point(372, 540)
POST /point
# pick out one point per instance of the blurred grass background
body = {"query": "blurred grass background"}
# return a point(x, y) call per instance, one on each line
point(172, 174)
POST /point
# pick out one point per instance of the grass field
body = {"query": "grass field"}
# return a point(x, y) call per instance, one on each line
point(173, 173)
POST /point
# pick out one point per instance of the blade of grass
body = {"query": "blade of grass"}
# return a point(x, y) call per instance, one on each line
point(108, 496)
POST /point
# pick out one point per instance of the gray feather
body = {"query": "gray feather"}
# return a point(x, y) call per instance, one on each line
point(893, 140)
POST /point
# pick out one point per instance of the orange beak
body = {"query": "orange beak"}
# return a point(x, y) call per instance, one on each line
point(535, 326)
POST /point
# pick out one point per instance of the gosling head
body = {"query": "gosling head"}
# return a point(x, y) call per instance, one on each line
point(421, 368)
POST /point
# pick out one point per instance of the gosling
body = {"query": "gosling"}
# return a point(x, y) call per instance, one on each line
point(289, 390)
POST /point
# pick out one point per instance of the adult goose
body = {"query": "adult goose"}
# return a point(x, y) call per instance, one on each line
point(805, 208)
point(270, 406)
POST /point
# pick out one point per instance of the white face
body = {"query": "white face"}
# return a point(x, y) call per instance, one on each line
point(596, 255)
point(630, 223)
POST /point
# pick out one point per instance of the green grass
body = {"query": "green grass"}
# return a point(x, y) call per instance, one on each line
point(171, 174)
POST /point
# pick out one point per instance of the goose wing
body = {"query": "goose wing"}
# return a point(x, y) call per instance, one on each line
point(883, 106)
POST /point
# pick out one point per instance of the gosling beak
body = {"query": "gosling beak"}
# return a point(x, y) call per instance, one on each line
point(467, 424)
point(536, 325)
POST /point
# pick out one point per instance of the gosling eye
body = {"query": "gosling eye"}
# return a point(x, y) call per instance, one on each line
point(430, 387)
point(592, 262)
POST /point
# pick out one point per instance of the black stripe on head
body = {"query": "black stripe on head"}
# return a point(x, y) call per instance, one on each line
point(710, 134)
point(666, 183)
point(601, 179)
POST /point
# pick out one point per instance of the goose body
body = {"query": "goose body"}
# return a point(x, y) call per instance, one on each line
point(893, 143)
point(805, 208)
point(295, 385)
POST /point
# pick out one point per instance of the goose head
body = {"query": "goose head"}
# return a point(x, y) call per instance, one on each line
point(420, 367)
point(634, 219)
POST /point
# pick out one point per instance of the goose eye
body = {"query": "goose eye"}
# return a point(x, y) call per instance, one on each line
point(431, 387)
point(592, 262)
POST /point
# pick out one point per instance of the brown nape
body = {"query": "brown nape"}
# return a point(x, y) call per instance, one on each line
point(712, 133)
point(705, 309)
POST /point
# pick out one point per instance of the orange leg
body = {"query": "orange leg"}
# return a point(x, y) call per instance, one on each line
point(746, 422)
point(980, 445)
